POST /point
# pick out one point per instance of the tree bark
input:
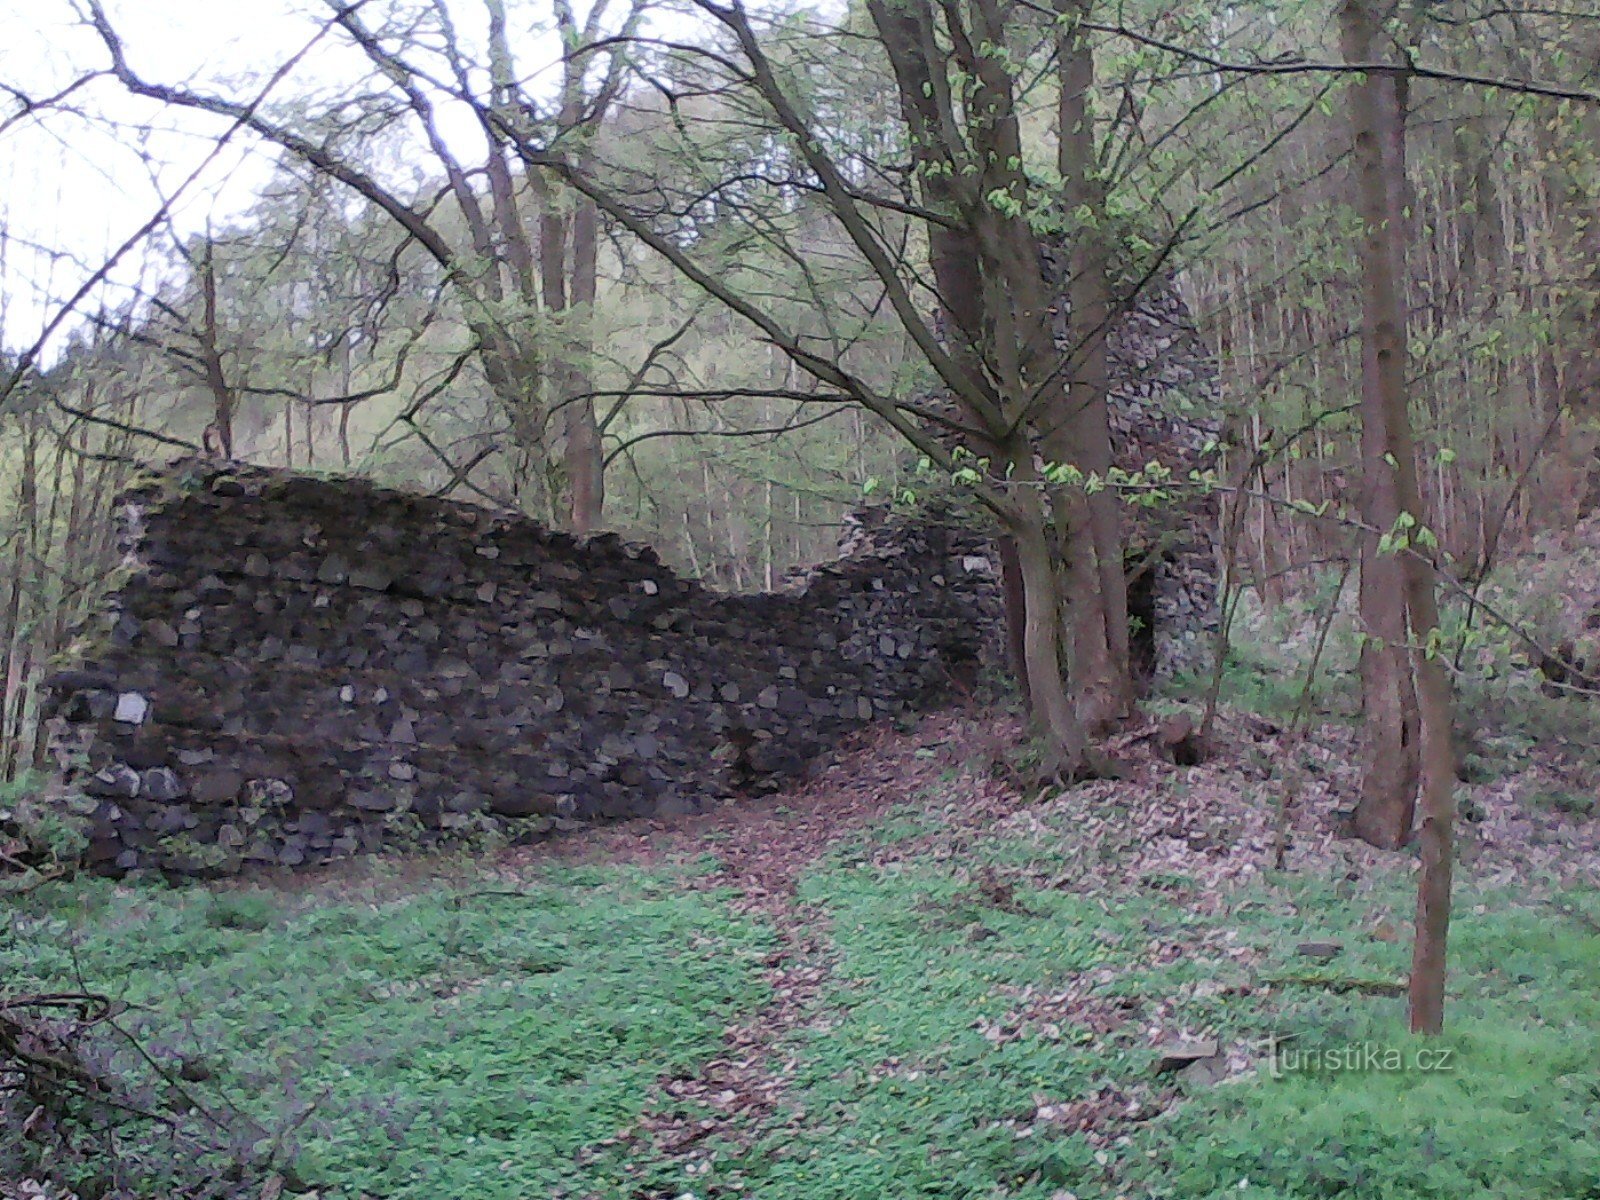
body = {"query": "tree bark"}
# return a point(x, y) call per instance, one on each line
point(1380, 175)
point(585, 453)
point(955, 259)
point(1055, 716)
point(1084, 428)
point(222, 396)
point(1391, 721)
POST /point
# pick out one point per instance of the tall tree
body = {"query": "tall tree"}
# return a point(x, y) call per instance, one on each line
point(1391, 723)
point(1379, 134)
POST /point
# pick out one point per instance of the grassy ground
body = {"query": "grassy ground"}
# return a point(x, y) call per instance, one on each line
point(955, 997)
point(450, 1042)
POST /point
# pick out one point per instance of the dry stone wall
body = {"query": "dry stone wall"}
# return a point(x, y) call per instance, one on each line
point(294, 668)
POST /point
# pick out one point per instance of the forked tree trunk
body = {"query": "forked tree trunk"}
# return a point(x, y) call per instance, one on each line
point(1379, 136)
point(1391, 722)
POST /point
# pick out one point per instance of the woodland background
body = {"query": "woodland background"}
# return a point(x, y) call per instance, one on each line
point(324, 337)
point(700, 273)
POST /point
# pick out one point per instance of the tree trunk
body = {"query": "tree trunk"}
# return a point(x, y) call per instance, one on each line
point(14, 666)
point(585, 454)
point(955, 259)
point(222, 398)
point(1083, 431)
point(1381, 180)
point(1391, 725)
point(1016, 611)
point(1055, 717)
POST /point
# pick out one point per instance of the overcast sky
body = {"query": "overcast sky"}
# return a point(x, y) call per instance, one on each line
point(75, 187)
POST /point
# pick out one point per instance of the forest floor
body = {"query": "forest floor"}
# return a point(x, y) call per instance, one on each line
point(905, 978)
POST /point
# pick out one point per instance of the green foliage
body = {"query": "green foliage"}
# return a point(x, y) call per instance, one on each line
point(450, 1043)
point(461, 1042)
point(53, 837)
point(902, 1093)
point(1512, 1115)
point(1578, 804)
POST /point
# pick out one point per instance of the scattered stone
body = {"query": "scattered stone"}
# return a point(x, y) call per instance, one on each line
point(161, 633)
point(117, 781)
point(1179, 741)
point(1321, 951)
point(372, 579)
point(333, 569)
point(221, 785)
point(1178, 1053)
point(1205, 1072)
point(162, 785)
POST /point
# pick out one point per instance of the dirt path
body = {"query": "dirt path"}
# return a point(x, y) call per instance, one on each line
point(1218, 824)
point(763, 848)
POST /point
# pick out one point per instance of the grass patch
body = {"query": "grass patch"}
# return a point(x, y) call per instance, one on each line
point(900, 1092)
point(452, 1044)
point(474, 1045)
point(1509, 1111)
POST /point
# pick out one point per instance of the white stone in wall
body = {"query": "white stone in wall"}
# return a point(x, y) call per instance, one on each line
point(132, 709)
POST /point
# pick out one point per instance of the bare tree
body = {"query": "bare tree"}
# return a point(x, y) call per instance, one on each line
point(518, 277)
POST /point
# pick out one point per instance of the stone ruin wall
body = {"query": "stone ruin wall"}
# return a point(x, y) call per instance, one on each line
point(1163, 407)
point(291, 669)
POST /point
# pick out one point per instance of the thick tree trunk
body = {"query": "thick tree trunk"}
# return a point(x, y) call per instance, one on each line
point(1055, 716)
point(955, 258)
point(1105, 679)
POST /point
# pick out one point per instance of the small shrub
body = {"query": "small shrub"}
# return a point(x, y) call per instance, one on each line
point(1575, 804)
point(42, 835)
point(240, 910)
